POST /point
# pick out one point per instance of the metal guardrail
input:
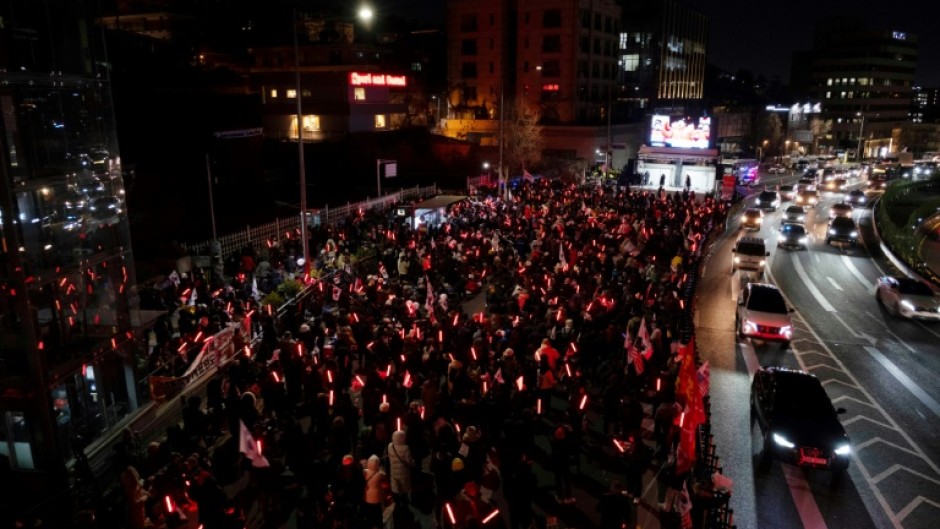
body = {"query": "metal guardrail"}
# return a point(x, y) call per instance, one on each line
point(279, 229)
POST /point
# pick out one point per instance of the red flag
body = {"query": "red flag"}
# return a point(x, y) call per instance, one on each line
point(687, 386)
point(644, 337)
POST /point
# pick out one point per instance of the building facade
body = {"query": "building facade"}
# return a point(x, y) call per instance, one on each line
point(554, 57)
point(864, 79)
point(71, 366)
point(661, 54)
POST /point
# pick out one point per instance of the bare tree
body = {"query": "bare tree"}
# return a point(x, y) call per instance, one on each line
point(819, 127)
point(523, 140)
point(770, 129)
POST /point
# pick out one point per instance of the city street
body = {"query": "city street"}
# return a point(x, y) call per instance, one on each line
point(882, 370)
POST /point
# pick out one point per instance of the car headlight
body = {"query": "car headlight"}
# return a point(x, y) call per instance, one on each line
point(737, 259)
point(762, 261)
point(801, 218)
point(843, 450)
point(832, 231)
point(748, 327)
point(853, 234)
point(782, 441)
point(907, 304)
point(802, 240)
point(786, 330)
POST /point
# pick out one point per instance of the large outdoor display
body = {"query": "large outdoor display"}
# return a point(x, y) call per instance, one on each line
point(680, 131)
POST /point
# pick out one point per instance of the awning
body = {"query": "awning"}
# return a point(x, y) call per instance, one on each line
point(440, 201)
point(676, 154)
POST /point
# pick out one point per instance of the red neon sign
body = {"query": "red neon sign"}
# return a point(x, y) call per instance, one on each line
point(376, 79)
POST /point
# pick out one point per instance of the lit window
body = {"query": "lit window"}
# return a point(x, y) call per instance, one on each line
point(274, 93)
point(311, 123)
point(380, 121)
point(359, 93)
point(829, 82)
point(291, 93)
point(630, 62)
point(828, 95)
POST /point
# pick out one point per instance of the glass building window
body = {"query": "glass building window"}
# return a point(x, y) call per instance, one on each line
point(551, 43)
point(630, 62)
point(311, 123)
point(273, 93)
point(359, 93)
point(380, 121)
point(551, 18)
point(468, 47)
point(291, 93)
point(14, 440)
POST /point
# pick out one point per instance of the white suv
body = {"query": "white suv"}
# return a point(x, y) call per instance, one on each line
point(763, 314)
point(749, 253)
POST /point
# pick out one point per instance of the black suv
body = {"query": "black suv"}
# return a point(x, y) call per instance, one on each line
point(842, 229)
point(797, 421)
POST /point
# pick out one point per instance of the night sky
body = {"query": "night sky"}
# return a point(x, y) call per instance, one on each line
point(761, 36)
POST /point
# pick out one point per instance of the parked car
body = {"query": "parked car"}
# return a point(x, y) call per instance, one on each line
point(909, 298)
point(797, 420)
point(763, 314)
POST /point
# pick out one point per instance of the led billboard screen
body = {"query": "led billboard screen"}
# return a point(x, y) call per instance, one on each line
point(680, 131)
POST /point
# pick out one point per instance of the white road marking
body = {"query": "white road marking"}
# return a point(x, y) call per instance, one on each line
point(816, 257)
point(858, 334)
point(806, 506)
point(834, 284)
point(866, 474)
point(905, 380)
point(809, 285)
point(750, 357)
point(858, 275)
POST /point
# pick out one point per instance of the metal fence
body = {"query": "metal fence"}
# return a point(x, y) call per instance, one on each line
point(286, 228)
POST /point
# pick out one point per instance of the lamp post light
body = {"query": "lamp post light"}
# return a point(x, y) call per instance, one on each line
point(861, 135)
point(437, 117)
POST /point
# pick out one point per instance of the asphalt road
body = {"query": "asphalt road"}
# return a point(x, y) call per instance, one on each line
point(884, 371)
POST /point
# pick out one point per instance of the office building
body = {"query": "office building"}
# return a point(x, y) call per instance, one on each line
point(661, 55)
point(554, 57)
point(864, 79)
point(70, 362)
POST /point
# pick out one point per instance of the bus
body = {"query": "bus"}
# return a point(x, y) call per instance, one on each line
point(745, 171)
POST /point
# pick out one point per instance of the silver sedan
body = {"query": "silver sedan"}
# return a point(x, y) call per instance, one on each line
point(908, 298)
point(793, 215)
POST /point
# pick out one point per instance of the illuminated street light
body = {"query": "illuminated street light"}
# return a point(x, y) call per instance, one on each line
point(366, 13)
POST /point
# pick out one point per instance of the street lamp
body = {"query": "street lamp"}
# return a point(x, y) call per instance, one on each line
point(366, 13)
point(437, 117)
point(861, 132)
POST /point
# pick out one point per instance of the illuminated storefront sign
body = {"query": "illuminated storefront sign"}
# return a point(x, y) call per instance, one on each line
point(376, 79)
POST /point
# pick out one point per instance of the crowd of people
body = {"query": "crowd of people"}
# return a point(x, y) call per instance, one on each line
point(377, 400)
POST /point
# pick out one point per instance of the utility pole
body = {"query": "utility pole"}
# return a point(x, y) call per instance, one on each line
point(216, 248)
point(502, 179)
point(300, 152)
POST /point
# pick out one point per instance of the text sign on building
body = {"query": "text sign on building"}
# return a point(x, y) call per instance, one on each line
point(376, 79)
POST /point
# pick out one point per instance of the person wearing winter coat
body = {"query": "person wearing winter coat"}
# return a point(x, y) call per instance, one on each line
point(371, 508)
point(401, 464)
